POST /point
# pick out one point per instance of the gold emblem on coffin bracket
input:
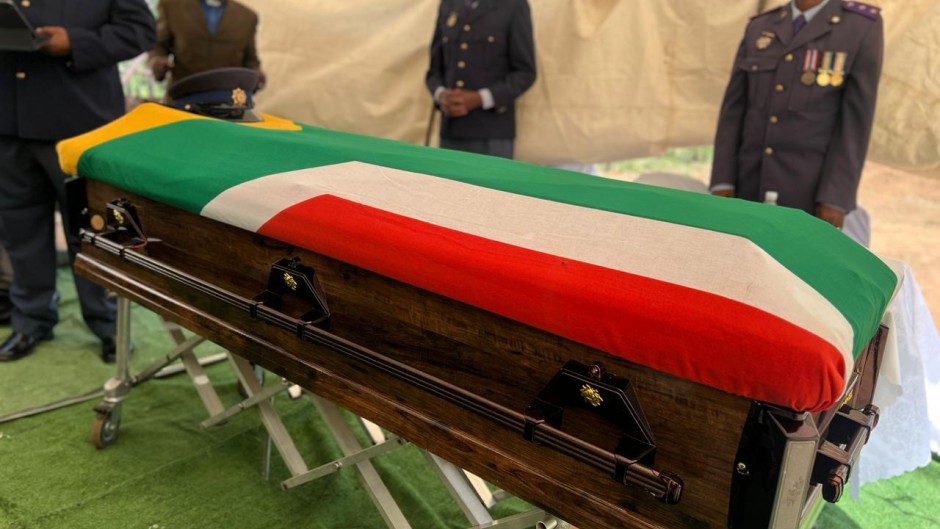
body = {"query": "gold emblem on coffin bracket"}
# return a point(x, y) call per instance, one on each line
point(591, 396)
point(848, 397)
point(290, 281)
point(118, 217)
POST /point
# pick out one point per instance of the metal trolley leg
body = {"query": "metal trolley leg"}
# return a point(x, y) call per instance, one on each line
point(465, 489)
point(108, 413)
point(370, 479)
point(108, 419)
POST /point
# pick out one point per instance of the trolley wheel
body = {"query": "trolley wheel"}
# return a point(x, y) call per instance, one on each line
point(104, 431)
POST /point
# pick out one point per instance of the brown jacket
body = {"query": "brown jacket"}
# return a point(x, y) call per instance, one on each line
point(804, 139)
point(182, 31)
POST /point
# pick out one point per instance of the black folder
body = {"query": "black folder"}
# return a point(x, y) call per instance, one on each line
point(16, 33)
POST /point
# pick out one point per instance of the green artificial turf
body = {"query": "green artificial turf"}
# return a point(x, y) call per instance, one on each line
point(166, 472)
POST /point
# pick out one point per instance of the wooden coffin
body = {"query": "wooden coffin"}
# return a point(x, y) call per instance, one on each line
point(476, 387)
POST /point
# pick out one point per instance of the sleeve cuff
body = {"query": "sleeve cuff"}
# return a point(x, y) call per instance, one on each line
point(437, 94)
point(487, 96)
point(840, 209)
point(721, 187)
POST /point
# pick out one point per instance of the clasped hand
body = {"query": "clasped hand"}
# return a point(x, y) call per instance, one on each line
point(458, 103)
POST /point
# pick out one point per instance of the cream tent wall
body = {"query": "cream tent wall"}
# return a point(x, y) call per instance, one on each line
point(617, 78)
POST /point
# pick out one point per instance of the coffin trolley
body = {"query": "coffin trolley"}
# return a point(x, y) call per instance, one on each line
point(621, 355)
point(470, 493)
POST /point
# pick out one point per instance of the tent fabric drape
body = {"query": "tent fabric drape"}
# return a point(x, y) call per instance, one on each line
point(616, 79)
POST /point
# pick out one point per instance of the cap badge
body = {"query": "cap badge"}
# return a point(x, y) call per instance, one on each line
point(239, 97)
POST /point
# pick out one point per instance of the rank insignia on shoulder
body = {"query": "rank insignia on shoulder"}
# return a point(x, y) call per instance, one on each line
point(866, 10)
point(779, 11)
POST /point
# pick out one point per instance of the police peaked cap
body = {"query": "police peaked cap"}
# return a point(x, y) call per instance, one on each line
point(223, 92)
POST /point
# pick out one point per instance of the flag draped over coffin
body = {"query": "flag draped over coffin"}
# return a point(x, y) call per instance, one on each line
point(764, 302)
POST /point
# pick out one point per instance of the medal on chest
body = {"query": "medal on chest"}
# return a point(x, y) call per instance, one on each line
point(824, 77)
point(838, 70)
point(810, 63)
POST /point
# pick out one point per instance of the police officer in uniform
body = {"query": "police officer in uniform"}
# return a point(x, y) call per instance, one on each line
point(68, 87)
point(482, 60)
point(798, 112)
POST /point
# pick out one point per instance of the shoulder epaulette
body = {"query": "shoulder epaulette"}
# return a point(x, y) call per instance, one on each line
point(866, 10)
point(775, 11)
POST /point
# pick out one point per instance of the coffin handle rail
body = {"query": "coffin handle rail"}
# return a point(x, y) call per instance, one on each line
point(663, 486)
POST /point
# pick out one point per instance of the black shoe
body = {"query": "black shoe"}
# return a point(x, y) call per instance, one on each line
point(19, 345)
point(109, 350)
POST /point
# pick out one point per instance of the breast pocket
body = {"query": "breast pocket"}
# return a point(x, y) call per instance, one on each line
point(488, 51)
point(814, 97)
point(760, 77)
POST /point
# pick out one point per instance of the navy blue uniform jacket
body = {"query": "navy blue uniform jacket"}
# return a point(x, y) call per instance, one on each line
point(807, 143)
point(51, 98)
point(492, 47)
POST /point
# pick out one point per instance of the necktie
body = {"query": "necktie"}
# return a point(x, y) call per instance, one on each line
point(798, 24)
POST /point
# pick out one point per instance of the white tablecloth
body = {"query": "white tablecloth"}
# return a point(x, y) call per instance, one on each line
point(908, 391)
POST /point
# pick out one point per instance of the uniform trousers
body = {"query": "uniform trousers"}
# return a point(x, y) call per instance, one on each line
point(6, 268)
point(493, 147)
point(6, 278)
point(31, 184)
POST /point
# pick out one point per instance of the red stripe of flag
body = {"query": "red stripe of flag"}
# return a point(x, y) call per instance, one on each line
point(689, 333)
